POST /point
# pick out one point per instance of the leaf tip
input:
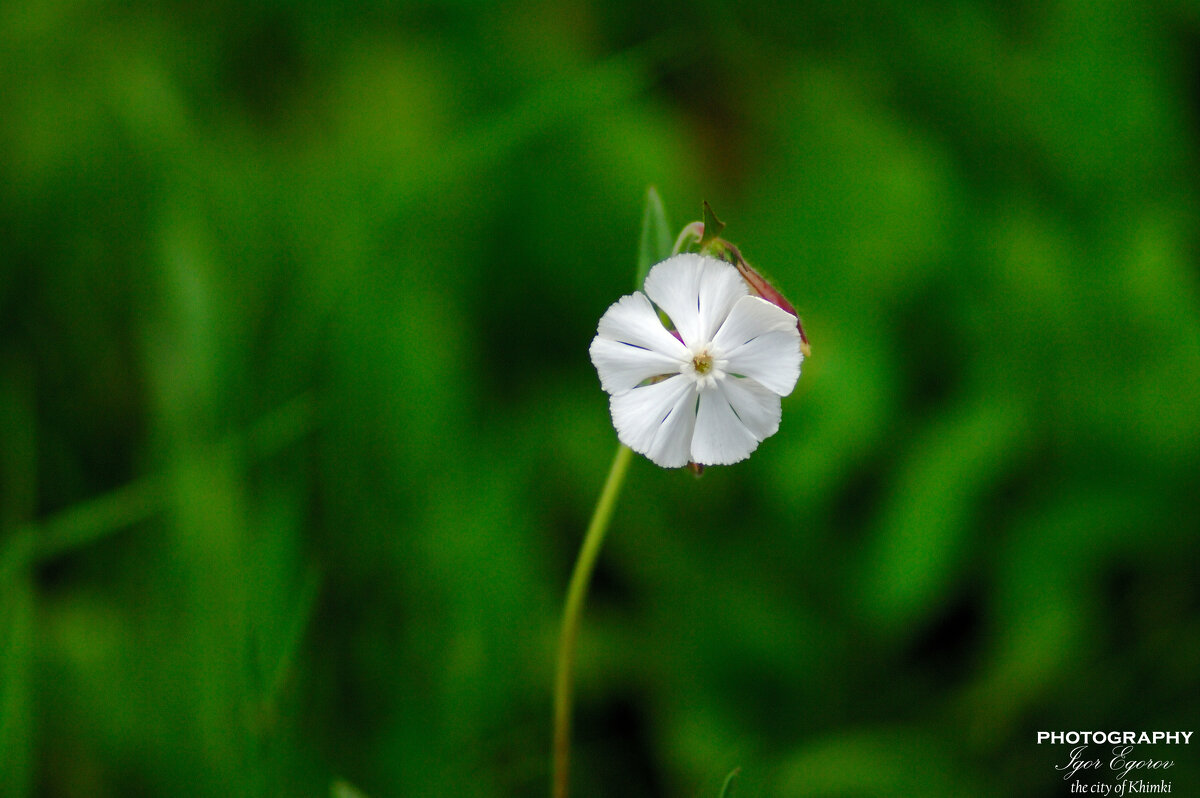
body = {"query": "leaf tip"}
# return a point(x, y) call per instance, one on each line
point(712, 226)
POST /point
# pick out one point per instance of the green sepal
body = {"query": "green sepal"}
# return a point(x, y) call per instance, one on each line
point(712, 227)
point(655, 243)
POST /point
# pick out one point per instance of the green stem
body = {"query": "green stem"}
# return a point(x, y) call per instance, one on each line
point(573, 610)
point(692, 232)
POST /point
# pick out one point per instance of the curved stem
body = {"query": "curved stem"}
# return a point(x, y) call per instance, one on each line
point(693, 231)
point(573, 610)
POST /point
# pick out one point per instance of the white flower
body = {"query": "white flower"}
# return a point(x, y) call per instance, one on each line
point(709, 392)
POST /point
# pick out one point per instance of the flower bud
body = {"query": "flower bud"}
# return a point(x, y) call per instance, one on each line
point(758, 284)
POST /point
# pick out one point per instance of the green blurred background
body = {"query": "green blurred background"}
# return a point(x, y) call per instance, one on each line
point(299, 436)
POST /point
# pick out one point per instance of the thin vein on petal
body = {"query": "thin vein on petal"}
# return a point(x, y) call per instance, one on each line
point(633, 320)
point(673, 285)
point(696, 292)
point(672, 443)
point(773, 360)
point(759, 340)
point(638, 413)
point(749, 318)
point(623, 366)
point(721, 287)
point(720, 437)
point(758, 408)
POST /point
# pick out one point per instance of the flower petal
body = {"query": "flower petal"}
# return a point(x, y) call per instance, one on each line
point(622, 366)
point(633, 320)
point(696, 292)
point(720, 437)
point(673, 441)
point(639, 413)
point(757, 407)
point(760, 341)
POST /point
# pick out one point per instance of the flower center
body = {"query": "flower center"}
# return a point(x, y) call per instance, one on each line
point(706, 367)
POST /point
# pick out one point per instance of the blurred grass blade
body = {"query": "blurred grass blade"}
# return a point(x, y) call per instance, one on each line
point(727, 787)
point(296, 631)
point(278, 429)
point(16, 655)
point(568, 96)
point(17, 632)
point(91, 520)
point(655, 242)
